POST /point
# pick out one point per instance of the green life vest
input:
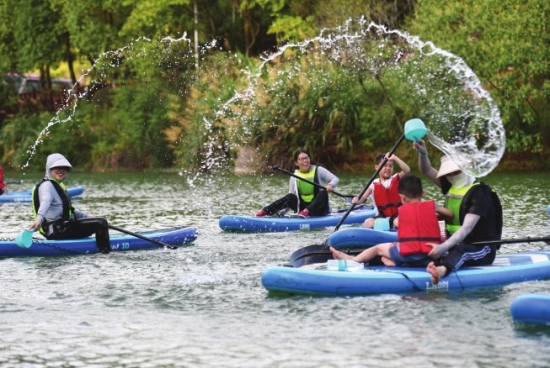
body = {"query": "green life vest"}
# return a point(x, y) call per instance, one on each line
point(68, 210)
point(453, 202)
point(306, 190)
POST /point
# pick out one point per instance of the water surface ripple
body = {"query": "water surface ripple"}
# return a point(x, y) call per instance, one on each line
point(203, 305)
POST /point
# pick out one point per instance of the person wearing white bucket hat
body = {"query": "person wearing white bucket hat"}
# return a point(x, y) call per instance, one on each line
point(477, 217)
point(54, 214)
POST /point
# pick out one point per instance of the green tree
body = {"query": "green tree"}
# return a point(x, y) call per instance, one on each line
point(506, 43)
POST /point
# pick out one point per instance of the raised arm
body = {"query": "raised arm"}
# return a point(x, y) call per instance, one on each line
point(405, 169)
point(424, 162)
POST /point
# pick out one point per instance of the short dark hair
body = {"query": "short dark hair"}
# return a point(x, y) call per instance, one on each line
point(410, 186)
point(297, 153)
point(379, 158)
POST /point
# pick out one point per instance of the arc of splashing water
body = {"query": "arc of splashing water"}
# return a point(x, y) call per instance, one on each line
point(477, 162)
point(484, 161)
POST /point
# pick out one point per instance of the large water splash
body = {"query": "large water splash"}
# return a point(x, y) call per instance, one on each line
point(463, 119)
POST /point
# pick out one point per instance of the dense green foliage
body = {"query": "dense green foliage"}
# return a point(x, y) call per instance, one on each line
point(506, 42)
point(148, 106)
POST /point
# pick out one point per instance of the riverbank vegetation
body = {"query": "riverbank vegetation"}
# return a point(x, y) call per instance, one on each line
point(152, 96)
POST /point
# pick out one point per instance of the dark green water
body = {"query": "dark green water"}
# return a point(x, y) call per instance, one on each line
point(203, 305)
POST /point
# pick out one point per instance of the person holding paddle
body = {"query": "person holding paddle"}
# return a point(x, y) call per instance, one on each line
point(55, 217)
point(385, 196)
point(420, 225)
point(477, 217)
point(303, 197)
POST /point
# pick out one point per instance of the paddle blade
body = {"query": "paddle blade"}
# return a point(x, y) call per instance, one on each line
point(316, 253)
point(297, 258)
point(415, 130)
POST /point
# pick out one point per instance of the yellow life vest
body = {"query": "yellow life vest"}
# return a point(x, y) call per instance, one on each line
point(306, 190)
point(68, 210)
point(453, 202)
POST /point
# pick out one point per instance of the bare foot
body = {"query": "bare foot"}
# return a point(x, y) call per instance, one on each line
point(336, 254)
point(387, 261)
point(437, 272)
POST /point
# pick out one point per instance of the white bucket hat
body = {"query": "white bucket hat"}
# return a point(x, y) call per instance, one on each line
point(57, 160)
point(447, 167)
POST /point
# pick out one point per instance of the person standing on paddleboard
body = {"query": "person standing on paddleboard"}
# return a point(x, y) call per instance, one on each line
point(305, 198)
point(384, 193)
point(477, 217)
point(54, 214)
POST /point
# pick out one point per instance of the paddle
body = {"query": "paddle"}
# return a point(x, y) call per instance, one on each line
point(320, 253)
point(414, 130)
point(348, 198)
point(13, 182)
point(142, 237)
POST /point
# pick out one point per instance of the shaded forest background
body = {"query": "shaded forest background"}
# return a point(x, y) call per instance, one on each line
point(170, 108)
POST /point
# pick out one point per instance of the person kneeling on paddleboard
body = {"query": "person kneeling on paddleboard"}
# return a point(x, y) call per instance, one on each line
point(419, 225)
point(54, 215)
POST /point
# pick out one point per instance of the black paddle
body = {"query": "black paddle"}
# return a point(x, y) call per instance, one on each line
point(348, 198)
point(320, 253)
point(13, 182)
point(142, 237)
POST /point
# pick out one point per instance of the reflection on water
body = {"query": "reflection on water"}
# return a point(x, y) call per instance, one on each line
point(203, 305)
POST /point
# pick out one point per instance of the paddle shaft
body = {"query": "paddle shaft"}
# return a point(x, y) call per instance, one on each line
point(142, 237)
point(376, 173)
point(307, 181)
point(545, 239)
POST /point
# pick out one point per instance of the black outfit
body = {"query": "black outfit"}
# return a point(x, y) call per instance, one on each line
point(82, 228)
point(318, 207)
point(482, 201)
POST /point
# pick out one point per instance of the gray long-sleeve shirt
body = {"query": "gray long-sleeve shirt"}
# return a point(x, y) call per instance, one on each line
point(51, 205)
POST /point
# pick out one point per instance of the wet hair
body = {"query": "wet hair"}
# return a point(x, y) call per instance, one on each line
point(297, 153)
point(410, 186)
point(379, 158)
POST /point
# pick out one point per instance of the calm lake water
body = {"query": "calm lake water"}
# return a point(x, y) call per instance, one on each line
point(203, 305)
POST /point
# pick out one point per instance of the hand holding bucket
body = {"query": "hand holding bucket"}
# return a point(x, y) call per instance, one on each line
point(24, 238)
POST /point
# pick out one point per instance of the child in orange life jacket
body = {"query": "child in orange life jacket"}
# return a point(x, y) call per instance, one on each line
point(418, 226)
point(385, 196)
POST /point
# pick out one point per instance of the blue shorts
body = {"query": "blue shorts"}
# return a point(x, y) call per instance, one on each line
point(399, 259)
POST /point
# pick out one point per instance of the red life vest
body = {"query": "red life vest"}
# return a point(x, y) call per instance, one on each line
point(387, 200)
point(418, 225)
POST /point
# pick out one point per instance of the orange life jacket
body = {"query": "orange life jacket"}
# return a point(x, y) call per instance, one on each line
point(418, 225)
point(387, 200)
